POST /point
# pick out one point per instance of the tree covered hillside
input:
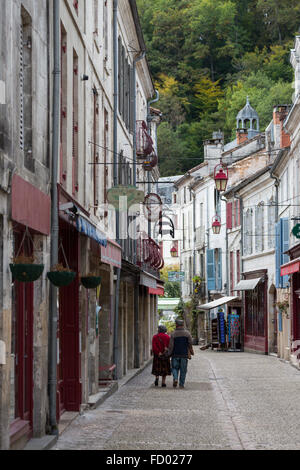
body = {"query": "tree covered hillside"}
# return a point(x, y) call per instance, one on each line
point(206, 56)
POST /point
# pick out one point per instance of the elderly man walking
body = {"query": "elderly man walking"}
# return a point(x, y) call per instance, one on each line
point(180, 348)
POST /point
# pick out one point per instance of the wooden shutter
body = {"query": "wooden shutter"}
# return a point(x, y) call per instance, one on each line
point(278, 254)
point(231, 273)
point(131, 101)
point(219, 269)
point(210, 270)
point(285, 243)
point(229, 215)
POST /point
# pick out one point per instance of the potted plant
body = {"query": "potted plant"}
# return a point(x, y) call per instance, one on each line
point(90, 280)
point(23, 269)
point(60, 276)
point(283, 307)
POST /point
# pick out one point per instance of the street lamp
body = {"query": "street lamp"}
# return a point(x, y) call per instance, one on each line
point(216, 225)
point(174, 252)
point(221, 177)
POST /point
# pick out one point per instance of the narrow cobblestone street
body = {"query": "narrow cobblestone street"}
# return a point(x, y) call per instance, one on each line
point(231, 401)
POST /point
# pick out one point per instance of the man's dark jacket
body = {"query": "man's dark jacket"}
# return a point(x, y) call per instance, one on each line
point(180, 342)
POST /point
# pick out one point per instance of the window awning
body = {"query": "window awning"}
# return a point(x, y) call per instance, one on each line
point(88, 229)
point(247, 284)
point(112, 254)
point(158, 291)
point(216, 303)
point(290, 267)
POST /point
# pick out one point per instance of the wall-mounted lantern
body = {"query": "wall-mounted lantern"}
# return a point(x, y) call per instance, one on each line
point(221, 177)
point(216, 225)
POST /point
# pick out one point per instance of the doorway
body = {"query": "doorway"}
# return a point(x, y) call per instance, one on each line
point(68, 331)
point(21, 397)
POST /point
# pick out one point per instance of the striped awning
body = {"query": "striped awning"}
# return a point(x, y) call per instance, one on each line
point(88, 229)
point(247, 284)
point(216, 303)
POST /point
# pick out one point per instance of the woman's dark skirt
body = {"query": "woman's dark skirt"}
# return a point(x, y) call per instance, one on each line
point(161, 367)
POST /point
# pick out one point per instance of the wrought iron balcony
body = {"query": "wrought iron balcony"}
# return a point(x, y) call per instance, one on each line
point(144, 143)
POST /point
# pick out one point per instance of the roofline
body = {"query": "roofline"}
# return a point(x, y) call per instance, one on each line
point(136, 19)
point(278, 159)
point(243, 144)
point(248, 180)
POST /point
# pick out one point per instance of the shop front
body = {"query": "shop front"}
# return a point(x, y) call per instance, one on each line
point(292, 269)
point(30, 226)
point(224, 323)
point(76, 234)
point(255, 287)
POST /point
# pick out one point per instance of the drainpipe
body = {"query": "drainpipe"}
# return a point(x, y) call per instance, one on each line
point(241, 261)
point(52, 374)
point(277, 182)
point(115, 177)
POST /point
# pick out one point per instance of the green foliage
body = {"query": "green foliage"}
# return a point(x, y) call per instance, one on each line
point(206, 56)
point(170, 325)
point(172, 289)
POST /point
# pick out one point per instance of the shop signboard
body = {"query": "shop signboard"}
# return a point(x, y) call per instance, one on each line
point(175, 276)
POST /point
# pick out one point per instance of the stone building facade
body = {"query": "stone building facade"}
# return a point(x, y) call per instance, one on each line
point(112, 325)
point(24, 218)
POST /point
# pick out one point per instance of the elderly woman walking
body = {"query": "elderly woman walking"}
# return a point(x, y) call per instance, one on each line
point(161, 364)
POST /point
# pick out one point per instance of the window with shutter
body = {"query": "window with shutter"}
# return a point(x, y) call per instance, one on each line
point(278, 254)
point(271, 223)
point(75, 126)
point(131, 100)
point(285, 243)
point(63, 109)
point(26, 91)
point(105, 29)
point(211, 270)
point(229, 215)
point(219, 273)
point(95, 167)
point(231, 272)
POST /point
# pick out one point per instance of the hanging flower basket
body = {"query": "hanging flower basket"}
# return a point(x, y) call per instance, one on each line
point(60, 276)
point(90, 282)
point(24, 270)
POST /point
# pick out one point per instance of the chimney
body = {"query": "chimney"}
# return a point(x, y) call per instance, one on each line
point(213, 149)
point(281, 138)
point(241, 136)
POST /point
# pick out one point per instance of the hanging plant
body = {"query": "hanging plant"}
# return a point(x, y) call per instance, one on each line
point(90, 281)
point(197, 280)
point(60, 276)
point(23, 269)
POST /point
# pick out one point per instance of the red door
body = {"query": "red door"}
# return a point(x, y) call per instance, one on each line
point(22, 350)
point(296, 312)
point(69, 374)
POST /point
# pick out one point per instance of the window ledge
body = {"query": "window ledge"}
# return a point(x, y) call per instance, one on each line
point(258, 255)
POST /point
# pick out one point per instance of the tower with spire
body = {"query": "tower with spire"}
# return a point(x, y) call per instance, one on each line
point(248, 121)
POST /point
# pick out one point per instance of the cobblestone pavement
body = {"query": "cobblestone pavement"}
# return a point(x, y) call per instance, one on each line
point(231, 401)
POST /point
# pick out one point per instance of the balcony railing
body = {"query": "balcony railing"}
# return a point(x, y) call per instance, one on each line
point(149, 255)
point(144, 143)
